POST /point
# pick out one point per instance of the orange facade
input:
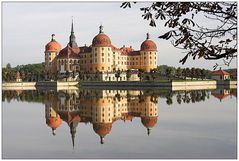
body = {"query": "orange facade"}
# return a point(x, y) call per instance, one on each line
point(100, 56)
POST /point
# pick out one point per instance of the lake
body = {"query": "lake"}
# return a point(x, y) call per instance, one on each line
point(96, 123)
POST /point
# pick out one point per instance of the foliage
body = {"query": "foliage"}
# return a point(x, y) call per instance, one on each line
point(29, 72)
point(117, 74)
point(187, 31)
point(128, 74)
point(140, 74)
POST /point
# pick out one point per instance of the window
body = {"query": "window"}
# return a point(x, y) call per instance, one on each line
point(102, 49)
point(108, 59)
point(102, 60)
point(102, 68)
point(95, 54)
point(102, 54)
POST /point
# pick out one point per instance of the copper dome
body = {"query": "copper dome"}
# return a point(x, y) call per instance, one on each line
point(53, 45)
point(101, 40)
point(148, 45)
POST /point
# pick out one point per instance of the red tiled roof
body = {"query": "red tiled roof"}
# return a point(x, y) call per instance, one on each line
point(220, 72)
point(233, 73)
point(102, 129)
point(133, 53)
point(148, 45)
point(69, 52)
point(101, 40)
point(85, 49)
point(53, 45)
point(220, 96)
point(148, 121)
point(114, 48)
point(128, 51)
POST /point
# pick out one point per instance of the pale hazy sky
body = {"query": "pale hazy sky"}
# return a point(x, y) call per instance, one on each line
point(27, 28)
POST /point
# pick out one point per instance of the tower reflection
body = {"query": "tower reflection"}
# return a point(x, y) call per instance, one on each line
point(101, 108)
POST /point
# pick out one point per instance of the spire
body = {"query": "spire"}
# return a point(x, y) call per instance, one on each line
point(101, 139)
point(73, 126)
point(101, 29)
point(53, 131)
point(73, 140)
point(72, 41)
point(148, 131)
point(52, 37)
point(147, 36)
point(72, 27)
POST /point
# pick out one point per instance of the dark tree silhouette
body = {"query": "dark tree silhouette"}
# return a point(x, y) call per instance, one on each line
point(184, 21)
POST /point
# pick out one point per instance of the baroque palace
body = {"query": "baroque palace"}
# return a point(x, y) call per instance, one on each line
point(100, 108)
point(101, 56)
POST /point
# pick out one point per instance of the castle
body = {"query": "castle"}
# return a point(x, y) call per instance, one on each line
point(101, 109)
point(101, 56)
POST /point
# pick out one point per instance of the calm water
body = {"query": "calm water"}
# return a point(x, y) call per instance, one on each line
point(119, 124)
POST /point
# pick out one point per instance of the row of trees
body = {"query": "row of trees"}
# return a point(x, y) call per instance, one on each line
point(45, 96)
point(29, 72)
point(35, 72)
point(182, 73)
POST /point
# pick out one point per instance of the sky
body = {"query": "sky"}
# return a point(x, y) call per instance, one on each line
point(27, 28)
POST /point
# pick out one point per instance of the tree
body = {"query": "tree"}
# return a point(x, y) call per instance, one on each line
point(117, 74)
point(192, 73)
point(67, 74)
point(169, 72)
point(128, 74)
point(8, 66)
point(179, 72)
point(186, 31)
point(153, 73)
point(203, 74)
point(187, 72)
point(197, 73)
point(140, 74)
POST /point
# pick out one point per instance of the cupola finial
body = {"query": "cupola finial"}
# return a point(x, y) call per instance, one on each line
point(101, 29)
point(52, 37)
point(147, 36)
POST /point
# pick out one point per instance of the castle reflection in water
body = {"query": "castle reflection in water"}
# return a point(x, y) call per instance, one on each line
point(101, 108)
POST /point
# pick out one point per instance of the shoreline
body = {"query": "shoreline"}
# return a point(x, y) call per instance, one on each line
point(174, 85)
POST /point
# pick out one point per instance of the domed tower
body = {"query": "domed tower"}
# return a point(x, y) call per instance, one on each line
point(102, 129)
point(101, 52)
point(53, 120)
point(149, 113)
point(149, 122)
point(148, 54)
point(52, 49)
